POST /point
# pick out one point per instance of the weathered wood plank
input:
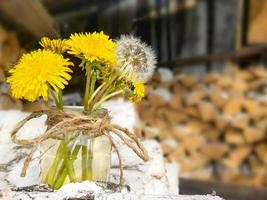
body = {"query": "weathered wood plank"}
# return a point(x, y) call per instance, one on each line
point(227, 191)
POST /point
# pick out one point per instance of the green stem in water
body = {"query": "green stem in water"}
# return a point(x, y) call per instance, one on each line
point(84, 163)
point(90, 160)
point(63, 173)
point(69, 164)
point(49, 179)
point(87, 86)
point(105, 98)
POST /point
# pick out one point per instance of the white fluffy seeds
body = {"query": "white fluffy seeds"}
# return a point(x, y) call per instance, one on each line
point(136, 60)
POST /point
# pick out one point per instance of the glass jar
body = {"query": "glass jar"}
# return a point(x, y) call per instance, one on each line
point(77, 156)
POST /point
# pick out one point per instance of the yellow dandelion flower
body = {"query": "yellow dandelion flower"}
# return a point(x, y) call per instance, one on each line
point(93, 47)
point(56, 45)
point(36, 71)
point(138, 92)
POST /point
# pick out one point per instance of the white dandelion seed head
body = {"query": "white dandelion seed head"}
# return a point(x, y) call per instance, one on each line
point(136, 60)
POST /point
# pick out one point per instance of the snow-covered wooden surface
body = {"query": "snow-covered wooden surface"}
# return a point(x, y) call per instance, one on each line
point(95, 191)
point(147, 180)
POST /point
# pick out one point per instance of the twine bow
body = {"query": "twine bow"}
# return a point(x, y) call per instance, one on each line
point(60, 122)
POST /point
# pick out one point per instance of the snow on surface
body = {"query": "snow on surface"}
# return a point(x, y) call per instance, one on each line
point(123, 113)
point(87, 189)
point(12, 155)
point(164, 93)
point(166, 74)
point(33, 128)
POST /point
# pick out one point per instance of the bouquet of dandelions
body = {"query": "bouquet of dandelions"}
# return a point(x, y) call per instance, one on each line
point(112, 68)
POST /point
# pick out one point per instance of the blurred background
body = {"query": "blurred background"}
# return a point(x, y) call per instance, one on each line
point(206, 103)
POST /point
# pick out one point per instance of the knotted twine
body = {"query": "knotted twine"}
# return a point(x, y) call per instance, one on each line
point(60, 122)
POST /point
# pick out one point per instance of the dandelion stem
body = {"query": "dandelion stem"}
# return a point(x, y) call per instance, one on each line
point(62, 175)
point(102, 91)
point(90, 160)
point(93, 80)
point(50, 91)
point(49, 179)
point(92, 87)
point(84, 162)
point(87, 86)
point(104, 98)
point(95, 92)
point(60, 100)
point(68, 163)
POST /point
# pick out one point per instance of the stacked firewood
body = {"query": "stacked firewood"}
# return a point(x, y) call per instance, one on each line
point(213, 126)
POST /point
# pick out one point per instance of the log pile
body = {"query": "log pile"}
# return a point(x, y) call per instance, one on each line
point(213, 126)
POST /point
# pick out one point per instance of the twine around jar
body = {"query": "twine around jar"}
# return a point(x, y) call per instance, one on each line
point(60, 122)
